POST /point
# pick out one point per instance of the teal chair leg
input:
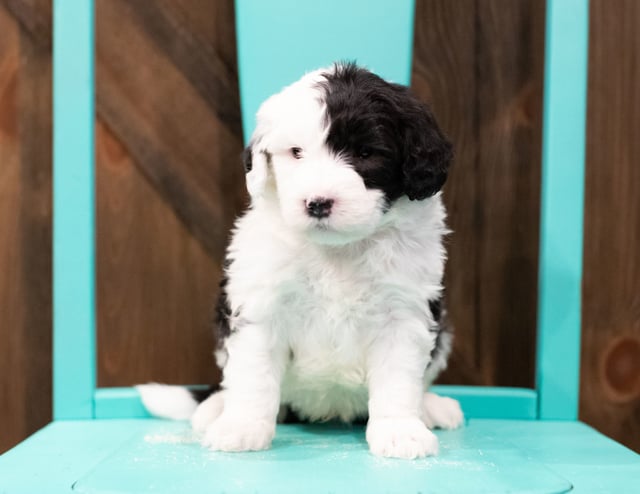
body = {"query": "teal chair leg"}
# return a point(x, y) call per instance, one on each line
point(561, 215)
point(74, 355)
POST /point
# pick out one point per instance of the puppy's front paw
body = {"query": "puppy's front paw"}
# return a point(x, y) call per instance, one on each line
point(441, 412)
point(401, 437)
point(207, 412)
point(239, 434)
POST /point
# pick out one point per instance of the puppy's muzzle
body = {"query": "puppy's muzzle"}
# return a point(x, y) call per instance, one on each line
point(319, 207)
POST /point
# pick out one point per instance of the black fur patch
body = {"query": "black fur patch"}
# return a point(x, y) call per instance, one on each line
point(290, 416)
point(202, 394)
point(435, 306)
point(222, 326)
point(390, 138)
point(247, 159)
point(437, 347)
point(438, 312)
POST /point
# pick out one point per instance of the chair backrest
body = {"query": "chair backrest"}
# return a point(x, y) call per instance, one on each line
point(274, 48)
point(278, 41)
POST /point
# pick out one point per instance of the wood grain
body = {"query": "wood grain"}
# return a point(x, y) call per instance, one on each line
point(155, 281)
point(34, 17)
point(12, 403)
point(480, 66)
point(183, 40)
point(25, 227)
point(510, 44)
point(175, 139)
point(169, 185)
point(611, 286)
point(35, 217)
point(444, 76)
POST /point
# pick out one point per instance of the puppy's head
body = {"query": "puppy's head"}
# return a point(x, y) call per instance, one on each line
point(338, 148)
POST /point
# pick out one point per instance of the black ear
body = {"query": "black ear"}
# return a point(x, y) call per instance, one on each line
point(427, 153)
point(247, 159)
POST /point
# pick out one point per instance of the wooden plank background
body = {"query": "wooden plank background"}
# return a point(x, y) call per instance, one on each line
point(25, 218)
point(610, 383)
point(479, 64)
point(170, 183)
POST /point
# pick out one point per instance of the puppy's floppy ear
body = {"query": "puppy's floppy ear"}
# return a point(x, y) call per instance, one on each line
point(427, 152)
point(255, 166)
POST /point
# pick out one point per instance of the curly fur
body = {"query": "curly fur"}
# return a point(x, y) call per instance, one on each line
point(336, 315)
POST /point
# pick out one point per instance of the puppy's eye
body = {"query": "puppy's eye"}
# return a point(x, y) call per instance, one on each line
point(364, 152)
point(296, 153)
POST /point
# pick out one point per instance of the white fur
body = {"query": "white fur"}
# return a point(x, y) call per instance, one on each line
point(441, 412)
point(331, 316)
point(209, 410)
point(401, 437)
point(172, 402)
point(295, 118)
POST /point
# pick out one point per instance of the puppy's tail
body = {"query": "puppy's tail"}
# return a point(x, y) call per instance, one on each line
point(172, 402)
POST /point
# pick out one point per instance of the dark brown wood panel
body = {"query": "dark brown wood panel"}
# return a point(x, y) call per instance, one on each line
point(610, 391)
point(169, 184)
point(190, 42)
point(510, 45)
point(25, 222)
point(175, 138)
point(155, 281)
point(444, 76)
point(12, 402)
point(479, 64)
point(35, 218)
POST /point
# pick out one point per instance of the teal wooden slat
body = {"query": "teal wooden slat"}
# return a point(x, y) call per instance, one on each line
point(493, 402)
point(476, 402)
point(316, 459)
point(118, 403)
point(280, 40)
point(112, 403)
point(73, 210)
point(127, 456)
point(560, 271)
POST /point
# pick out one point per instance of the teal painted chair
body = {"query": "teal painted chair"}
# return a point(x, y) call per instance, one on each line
point(515, 440)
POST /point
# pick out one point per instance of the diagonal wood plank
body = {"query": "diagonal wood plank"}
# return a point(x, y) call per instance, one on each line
point(214, 79)
point(184, 151)
point(155, 283)
point(34, 17)
point(196, 209)
point(168, 27)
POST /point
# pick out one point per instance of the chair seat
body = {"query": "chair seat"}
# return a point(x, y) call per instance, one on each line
point(146, 455)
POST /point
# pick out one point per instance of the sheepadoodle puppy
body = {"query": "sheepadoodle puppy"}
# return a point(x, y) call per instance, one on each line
point(331, 304)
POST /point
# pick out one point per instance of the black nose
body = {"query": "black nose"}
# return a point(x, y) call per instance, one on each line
point(319, 207)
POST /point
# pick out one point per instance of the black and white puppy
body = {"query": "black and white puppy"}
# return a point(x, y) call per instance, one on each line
point(331, 302)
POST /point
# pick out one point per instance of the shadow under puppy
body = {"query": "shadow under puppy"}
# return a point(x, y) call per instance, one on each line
point(331, 301)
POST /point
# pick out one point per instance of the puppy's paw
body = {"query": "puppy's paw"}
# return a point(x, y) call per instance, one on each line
point(239, 434)
point(401, 437)
point(441, 412)
point(207, 411)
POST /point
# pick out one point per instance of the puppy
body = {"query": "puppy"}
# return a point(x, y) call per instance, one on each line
point(331, 304)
